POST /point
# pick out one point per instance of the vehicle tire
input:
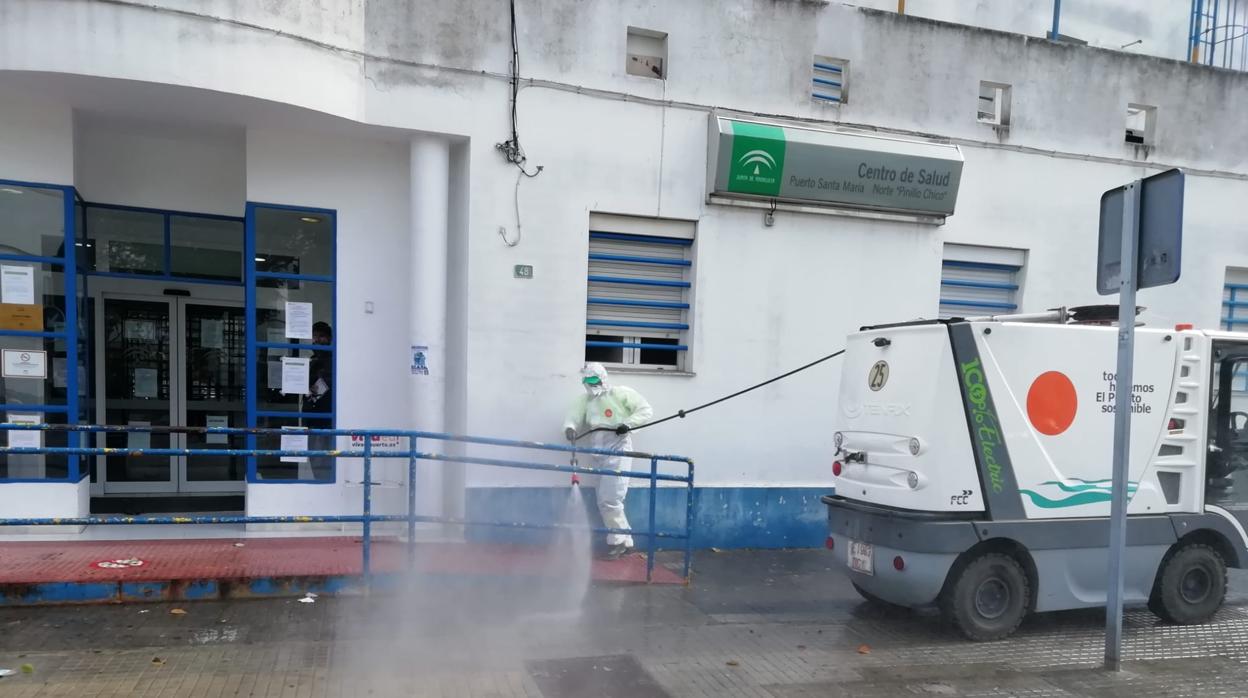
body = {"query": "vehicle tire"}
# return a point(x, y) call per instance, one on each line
point(1190, 586)
point(872, 598)
point(987, 598)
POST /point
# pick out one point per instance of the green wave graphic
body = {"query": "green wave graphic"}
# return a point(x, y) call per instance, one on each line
point(1080, 498)
point(1088, 486)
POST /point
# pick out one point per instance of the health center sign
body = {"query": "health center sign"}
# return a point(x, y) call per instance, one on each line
point(750, 159)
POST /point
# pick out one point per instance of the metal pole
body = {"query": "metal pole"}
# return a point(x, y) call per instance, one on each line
point(689, 522)
point(1199, 31)
point(654, 490)
point(1213, 35)
point(1192, 24)
point(1123, 379)
point(1232, 14)
point(1057, 19)
point(411, 501)
point(368, 512)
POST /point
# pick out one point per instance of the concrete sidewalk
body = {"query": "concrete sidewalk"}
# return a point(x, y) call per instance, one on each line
point(778, 624)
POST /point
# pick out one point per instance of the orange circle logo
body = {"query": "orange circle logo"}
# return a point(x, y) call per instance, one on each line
point(1052, 403)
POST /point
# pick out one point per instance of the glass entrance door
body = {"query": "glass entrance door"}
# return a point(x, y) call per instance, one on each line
point(213, 352)
point(137, 365)
point(172, 361)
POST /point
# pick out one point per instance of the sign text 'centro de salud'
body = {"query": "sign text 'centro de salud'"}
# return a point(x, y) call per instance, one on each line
point(805, 165)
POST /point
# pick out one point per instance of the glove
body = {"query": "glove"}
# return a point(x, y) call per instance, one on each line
point(623, 429)
point(570, 433)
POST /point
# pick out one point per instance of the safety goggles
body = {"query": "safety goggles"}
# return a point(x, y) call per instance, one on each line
point(591, 380)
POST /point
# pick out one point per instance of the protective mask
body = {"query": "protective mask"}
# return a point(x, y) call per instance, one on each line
point(595, 388)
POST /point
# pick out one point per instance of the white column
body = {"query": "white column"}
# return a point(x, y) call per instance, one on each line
point(430, 182)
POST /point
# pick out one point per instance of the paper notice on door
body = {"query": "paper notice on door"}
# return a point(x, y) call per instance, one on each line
point(21, 438)
point(295, 374)
point(139, 330)
point(145, 382)
point(274, 375)
point(298, 320)
point(20, 363)
point(139, 440)
point(24, 317)
point(17, 284)
point(212, 334)
point(294, 442)
point(217, 421)
point(60, 373)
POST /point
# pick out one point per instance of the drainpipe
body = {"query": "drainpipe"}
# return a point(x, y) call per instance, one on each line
point(1057, 20)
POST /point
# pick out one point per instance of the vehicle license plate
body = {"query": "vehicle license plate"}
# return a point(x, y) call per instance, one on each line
point(861, 557)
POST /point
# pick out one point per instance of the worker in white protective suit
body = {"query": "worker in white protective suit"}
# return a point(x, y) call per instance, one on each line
point(602, 418)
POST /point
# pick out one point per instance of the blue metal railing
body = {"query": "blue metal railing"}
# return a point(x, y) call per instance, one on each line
point(1217, 33)
point(367, 453)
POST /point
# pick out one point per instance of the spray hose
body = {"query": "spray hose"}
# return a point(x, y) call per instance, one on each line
point(681, 414)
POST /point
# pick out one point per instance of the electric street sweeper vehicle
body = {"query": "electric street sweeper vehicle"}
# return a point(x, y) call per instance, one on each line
point(973, 468)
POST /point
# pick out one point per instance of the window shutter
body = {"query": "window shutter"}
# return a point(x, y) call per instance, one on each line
point(979, 281)
point(828, 80)
point(638, 298)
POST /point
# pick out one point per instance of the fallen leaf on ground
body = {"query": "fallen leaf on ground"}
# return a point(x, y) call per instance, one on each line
point(864, 649)
point(157, 661)
point(733, 662)
point(801, 647)
point(28, 668)
point(177, 612)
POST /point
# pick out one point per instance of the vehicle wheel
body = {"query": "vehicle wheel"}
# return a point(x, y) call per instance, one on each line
point(987, 598)
point(1191, 585)
point(872, 598)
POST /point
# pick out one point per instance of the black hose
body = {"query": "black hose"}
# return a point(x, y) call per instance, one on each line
point(681, 414)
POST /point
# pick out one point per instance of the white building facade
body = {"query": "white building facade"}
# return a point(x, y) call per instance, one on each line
point(227, 181)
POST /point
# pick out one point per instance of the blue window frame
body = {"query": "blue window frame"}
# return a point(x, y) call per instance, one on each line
point(290, 257)
point(1235, 316)
point(299, 268)
point(37, 231)
point(133, 242)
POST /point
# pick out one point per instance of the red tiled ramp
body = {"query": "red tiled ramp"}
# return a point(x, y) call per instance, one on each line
point(166, 560)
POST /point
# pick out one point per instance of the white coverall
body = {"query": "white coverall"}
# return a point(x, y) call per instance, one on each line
point(608, 406)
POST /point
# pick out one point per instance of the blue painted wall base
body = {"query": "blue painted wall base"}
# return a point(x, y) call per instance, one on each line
point(726, 517)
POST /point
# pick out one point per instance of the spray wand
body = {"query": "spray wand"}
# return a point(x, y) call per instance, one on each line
point(681, 414)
